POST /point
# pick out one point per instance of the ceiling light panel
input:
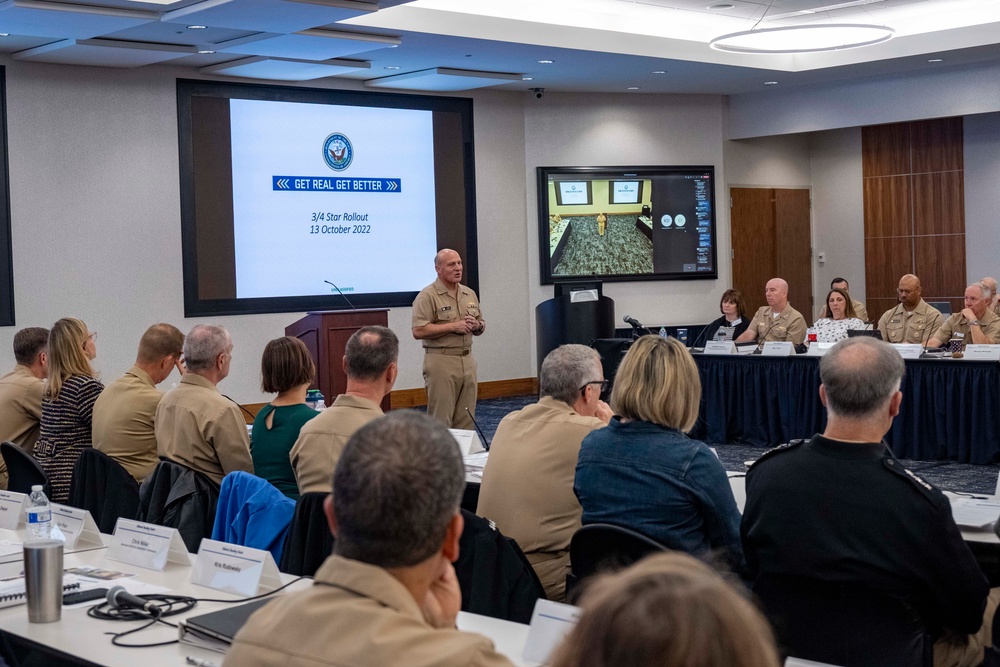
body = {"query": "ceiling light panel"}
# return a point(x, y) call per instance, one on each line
point(282, 69)
point(313, 45)
point(278, 16)
point(63, 20)
point(443, 79)
point(103, 53)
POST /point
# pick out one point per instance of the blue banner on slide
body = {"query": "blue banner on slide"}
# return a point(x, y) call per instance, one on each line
point(328, 184)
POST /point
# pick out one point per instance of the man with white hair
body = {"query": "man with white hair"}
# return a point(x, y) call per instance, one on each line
point(991, 282)
point(976, 323)
point(196, 425)
point(777, 321)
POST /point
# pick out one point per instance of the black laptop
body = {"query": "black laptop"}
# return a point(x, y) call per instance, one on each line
point(874, 333)
point(225, 623)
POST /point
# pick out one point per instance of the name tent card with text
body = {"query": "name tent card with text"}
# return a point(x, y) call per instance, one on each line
point(11, 506)
point(776, 348)
point(235, 569)
point(77, 525)
point(147, 545)
point(909, 350)
point(720, 347)
point(550, 623)
point(468, 441)
point(977, 352)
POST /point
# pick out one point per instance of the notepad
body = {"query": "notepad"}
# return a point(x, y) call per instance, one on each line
point(12, 591)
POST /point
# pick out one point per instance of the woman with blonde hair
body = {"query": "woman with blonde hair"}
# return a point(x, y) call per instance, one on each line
point(643, 473)
point(68, 403)
point(667, 610)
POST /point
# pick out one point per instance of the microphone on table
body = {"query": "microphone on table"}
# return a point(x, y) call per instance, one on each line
point(704, 331)
point(486, 444)
point(760, 339)
point(341, 294)
point(119, 598)
point(636, 326)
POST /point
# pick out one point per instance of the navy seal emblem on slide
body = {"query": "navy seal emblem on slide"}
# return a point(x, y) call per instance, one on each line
point(338, 151)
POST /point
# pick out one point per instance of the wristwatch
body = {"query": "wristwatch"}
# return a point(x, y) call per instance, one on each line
point(974, 322)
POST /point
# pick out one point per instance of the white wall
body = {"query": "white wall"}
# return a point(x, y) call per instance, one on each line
point(982, 195)
point(768, 162)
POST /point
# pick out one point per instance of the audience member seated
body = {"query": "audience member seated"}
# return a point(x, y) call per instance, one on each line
point(734, 314)
point(668, 610)
point(370, 358)
point(527, 487)
point(859, 308)
point(124, 412)
point(196, 425)
point(21, 393)
point(643, 473)
point(67, 404)
point(976, 323)
point(388, 596)
point(840, 508)
point(838, 318)
point(991, 282)
point(913, 320)
point(777, 321)
point(286, 369)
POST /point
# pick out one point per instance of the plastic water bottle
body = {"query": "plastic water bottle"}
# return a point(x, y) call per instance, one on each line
point(39, 515)
point(315, 399)
point(663, 332)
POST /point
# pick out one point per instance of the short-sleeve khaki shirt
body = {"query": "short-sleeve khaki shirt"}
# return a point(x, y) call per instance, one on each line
point(435, 305)
point(788, 326)
point(989, 323)
point(916, 326)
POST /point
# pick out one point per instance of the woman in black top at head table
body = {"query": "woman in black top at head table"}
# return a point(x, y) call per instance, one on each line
point(734, 314)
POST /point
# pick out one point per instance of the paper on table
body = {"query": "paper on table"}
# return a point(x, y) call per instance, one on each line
point(974, 512)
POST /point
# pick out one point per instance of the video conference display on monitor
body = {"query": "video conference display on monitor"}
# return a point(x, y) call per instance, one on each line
point(627, 223)
point(287, 190)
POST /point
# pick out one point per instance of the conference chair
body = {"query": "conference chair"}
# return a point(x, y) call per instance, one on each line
point(493, 573)
point(308, 541)
point(252, 512)
point(943, 306)
point(23, 470)
point(603, 547)
point(104, 488)
point(843, 624)
point(178, 497)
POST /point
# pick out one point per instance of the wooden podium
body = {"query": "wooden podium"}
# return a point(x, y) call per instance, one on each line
point(325, 333)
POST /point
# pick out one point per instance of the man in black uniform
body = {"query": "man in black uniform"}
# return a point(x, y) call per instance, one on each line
point(839, 508)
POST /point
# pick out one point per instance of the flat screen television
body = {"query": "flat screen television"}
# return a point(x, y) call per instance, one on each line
point(289, 194)
point(627, 223)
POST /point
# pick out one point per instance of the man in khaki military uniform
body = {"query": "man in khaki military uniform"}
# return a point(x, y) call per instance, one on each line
point(977, 323)
point(370, 362)
point(388, 596)
point(21, 392)
point(777, 321)
point(197, 426)
point(445, 317)
point(124, 412)
point(992, 284)
point(527, 488)
point(859, 308)
point(913, 320)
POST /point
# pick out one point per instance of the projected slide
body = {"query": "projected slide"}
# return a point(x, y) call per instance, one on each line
point(325, 192)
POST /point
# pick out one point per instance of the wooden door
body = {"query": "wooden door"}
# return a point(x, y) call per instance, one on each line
point(794, 248)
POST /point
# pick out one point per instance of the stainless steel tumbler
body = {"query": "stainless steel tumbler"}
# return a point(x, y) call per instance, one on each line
point(43, 579)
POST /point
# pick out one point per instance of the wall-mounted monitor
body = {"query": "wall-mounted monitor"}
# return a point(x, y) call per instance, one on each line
point(632, 223)
point(283, 189)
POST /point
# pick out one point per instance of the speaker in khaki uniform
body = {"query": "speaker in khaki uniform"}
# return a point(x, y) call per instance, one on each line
point(446, 316)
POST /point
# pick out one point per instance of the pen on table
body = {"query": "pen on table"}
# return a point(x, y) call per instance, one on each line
point(198, 662)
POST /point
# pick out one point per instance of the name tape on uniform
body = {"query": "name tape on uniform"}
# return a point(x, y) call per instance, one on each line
point(147, 545)
point(235, 569)
point(11, 506)
point(777, 348)
point(77, 526)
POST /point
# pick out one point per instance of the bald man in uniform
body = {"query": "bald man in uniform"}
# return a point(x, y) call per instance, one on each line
point(446, 316)
point(976, 324)
point(777, 321)
point(912, 320)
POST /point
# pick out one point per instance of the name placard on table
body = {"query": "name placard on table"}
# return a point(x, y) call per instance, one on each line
point(776, 348)
point(977, 352)
point(468, 440)
point(77, 526)
point(11, 509)
point(818, 349)
point(720, 347)
point(147, 545)
point(550, 623)
point(235, 569)
point(909, 350)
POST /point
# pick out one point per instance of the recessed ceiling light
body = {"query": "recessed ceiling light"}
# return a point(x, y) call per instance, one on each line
point(809, 38)
point(659, 71)
point(936, 60)
point(632, 88)
point(394, 46)
point(527, 78)
point(545, 62)
point(197, 27)
point(391, 67)
point(205, 52)
point(770, 83)
point(721, 7)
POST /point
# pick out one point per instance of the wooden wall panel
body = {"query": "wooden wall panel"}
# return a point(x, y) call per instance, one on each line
point(939, 203)
point(753, 231)
point(887, 260)
point(885, 150)
point(876, 307)
point(887, 206)
point(940, 263)
point(794, 246)
point(937, 145)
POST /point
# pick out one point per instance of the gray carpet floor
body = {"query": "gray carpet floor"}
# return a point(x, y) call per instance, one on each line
point(962, 477)
point(622, 249)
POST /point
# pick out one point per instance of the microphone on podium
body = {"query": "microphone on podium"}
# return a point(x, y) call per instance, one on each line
point(341, 294)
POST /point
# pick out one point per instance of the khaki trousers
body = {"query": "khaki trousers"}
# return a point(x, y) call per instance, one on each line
point(451, 388)
point(953, 650)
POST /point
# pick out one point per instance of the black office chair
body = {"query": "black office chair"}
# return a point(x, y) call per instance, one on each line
point(308, 541)
point(23, 470)
point(943, 306)
point(843, 624)
point(104, 488)
point(603, 547)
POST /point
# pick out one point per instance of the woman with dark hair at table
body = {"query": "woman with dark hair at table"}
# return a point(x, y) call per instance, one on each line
point(734, 314)
point(643, 473)
point(71, 390)
point(288, 369)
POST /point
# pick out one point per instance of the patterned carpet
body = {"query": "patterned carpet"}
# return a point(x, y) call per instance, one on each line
point(622, 249)
point(963, 477)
